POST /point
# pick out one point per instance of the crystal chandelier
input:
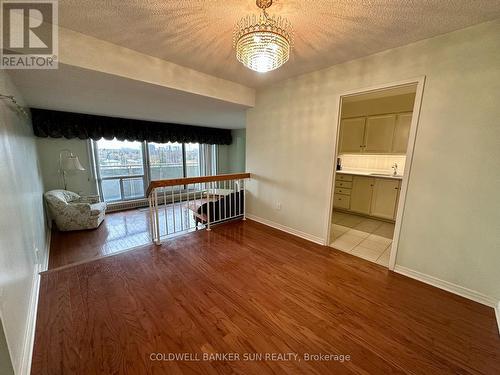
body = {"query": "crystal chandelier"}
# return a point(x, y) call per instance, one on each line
point(262, 42)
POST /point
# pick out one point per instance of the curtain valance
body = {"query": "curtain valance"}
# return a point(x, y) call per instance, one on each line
point(57, 124)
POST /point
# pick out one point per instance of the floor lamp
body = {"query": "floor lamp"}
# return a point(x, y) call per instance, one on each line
point(68, 162)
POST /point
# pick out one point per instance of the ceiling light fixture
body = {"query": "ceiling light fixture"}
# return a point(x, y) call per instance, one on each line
point(262, 42)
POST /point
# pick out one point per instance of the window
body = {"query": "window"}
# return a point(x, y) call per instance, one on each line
point(165, 160)
point(125, 168)
point(193, 165)
point(121, 169)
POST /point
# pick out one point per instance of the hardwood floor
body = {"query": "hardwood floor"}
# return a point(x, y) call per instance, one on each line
point(119, 231)
point(248, 288)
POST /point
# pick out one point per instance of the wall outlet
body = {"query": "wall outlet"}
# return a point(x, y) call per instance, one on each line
point(277, 206)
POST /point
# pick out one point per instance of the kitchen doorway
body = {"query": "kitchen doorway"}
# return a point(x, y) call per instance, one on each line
point(376, 133)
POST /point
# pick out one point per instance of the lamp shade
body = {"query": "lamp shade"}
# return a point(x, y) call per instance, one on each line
point(71, 163)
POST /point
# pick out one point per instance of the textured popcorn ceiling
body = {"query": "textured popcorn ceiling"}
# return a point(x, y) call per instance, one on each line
point(198, 33)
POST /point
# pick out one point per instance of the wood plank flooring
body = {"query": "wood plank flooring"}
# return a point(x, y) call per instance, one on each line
point(119, 231)
point(247, 288)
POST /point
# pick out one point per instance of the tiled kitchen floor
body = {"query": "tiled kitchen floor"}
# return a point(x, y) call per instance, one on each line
point(369, 239)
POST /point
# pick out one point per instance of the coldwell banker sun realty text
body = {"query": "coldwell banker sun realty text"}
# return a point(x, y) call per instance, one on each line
point(249, 357)
point(29, 37)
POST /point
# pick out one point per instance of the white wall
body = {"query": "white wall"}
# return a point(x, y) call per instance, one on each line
point(450, 228)
point(81, 182)
point(22, 224)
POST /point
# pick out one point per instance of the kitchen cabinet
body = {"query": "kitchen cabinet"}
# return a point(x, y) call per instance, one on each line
point(341, 201)
point(366, 195)
point(384, 198)
point(361, 194)
point(352, 132)
point(382, 134)
point(343, 185)
point(379, 133)
point(401, 133)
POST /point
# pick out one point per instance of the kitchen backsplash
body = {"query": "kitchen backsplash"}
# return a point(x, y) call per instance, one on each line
point(373, 162)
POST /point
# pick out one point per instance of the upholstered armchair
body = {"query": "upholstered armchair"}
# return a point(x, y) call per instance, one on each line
point(73, 212)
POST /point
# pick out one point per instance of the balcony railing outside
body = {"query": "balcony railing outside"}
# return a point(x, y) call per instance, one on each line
point(126, 182)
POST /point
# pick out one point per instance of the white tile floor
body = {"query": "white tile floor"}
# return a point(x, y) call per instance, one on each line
point(369, 239)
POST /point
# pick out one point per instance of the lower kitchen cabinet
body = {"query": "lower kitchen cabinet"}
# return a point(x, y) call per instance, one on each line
point(361, 194)
point(384, 198)
point(366, 195)
point(341, 201)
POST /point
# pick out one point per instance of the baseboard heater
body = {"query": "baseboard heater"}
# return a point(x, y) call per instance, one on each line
point(143, 202)
point(127, 205)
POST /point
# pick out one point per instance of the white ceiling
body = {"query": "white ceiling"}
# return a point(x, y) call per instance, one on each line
point(80, 90)
point(198, 33)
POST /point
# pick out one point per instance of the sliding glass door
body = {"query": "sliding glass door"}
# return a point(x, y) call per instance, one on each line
point(121, 169)
point(125, 168)
point(192, 158)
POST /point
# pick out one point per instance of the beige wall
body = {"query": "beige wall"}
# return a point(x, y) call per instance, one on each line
point(450, 226)
point(22, 225)
point(81, 182)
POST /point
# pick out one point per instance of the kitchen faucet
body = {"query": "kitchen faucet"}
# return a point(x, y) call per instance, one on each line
point(395, 169)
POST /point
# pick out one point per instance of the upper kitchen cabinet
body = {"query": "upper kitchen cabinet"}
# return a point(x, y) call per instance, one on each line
point(379, 133)
point(352, 133)
point(401, 133)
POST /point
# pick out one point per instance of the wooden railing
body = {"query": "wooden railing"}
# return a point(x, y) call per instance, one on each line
point(183, 204)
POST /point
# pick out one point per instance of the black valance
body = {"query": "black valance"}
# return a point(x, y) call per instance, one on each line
point(57, 124)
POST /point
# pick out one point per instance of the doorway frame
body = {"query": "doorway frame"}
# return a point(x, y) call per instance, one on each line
point(420, 82)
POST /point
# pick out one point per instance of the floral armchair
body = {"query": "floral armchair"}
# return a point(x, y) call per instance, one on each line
point(73, 212)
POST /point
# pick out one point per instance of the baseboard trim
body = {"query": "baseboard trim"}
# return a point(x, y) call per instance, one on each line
point(29, 339)
point(453, 288)
point(446, 285)
point(286, 229)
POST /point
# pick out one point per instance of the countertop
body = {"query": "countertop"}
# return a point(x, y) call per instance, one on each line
point(369, 174)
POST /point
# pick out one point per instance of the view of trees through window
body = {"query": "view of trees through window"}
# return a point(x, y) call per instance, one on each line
point(122, 165)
